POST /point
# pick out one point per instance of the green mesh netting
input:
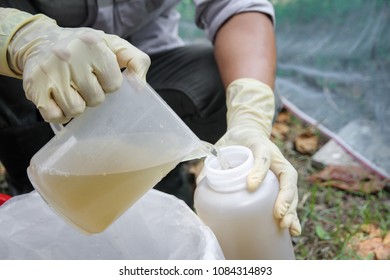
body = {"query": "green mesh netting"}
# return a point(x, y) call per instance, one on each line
point(333, 70)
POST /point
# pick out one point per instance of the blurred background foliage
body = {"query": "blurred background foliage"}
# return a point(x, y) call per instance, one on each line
point(334, 69)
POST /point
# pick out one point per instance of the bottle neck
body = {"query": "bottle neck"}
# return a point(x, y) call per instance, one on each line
point(240, 160)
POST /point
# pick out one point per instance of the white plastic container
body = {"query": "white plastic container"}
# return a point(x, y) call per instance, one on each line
point(242, 221)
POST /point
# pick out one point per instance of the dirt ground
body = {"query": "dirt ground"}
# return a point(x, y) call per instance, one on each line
point(344, 210)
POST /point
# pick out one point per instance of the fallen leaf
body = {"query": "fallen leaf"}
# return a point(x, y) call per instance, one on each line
point(348, 178)
point(383, 252)
point(369, 244)
point(306, 143)
point(371, 230)
point(280, 130)
point(195, 167)
point(283, 117)
point(386, 240)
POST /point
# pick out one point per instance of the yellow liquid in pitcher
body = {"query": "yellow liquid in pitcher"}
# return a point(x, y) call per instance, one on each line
point(92, 202)
point(90, 183)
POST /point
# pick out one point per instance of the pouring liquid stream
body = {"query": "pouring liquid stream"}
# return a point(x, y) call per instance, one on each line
point(223, 162)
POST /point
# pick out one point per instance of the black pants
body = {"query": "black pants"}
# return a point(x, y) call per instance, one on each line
point(187, 79)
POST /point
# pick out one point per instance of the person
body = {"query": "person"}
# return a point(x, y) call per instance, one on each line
point(66, 56)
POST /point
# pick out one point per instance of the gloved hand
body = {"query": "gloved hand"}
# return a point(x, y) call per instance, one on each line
point(250, 112)
point(66, 69)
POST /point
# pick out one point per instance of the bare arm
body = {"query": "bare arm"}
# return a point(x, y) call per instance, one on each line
point(245, 47)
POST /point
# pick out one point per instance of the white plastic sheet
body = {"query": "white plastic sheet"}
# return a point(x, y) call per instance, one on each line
point(158, 226)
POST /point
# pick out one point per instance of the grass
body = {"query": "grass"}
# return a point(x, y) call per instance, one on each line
point(330, 218)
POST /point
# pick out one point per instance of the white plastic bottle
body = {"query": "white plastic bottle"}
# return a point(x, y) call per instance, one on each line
point(242, 221)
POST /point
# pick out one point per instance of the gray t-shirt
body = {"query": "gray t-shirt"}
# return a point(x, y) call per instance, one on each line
point(152, 25)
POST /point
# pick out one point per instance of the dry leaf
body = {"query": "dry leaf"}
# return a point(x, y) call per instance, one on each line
point(369, 246)
point(280, 130)
point(383, 252)
point(372, 230)
point(386, 240)
point(349, 178)
point(368, 243)
point(195, 167)
point(306, 143)
point(283, 117)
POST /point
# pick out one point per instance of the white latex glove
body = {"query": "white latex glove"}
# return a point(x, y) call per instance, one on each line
point(250, 112)
point(66, 69)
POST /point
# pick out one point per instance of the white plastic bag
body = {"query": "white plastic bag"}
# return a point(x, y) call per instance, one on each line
point(158, 226)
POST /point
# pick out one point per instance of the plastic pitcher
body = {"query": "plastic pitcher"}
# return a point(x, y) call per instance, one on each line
point(103, 161)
